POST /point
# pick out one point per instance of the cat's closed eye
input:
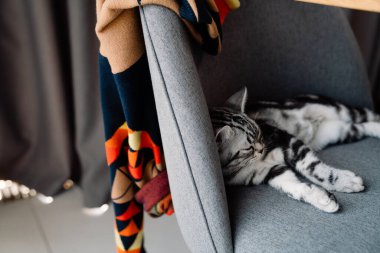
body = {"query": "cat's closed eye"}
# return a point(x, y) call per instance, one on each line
point(259, 146)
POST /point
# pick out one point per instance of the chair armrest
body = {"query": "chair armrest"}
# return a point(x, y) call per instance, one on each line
point(192, 160)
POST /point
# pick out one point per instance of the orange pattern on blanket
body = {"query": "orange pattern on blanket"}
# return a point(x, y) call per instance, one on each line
point(140, 168)
point(131, 211)
point(137, 141)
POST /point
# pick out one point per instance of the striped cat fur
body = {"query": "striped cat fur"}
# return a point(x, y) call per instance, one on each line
point(272, 142)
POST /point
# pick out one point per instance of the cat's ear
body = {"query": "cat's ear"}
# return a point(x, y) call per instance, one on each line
point(223, 134)
point(238, 100)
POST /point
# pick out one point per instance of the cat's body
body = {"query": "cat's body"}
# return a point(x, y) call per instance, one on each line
point(271, 142)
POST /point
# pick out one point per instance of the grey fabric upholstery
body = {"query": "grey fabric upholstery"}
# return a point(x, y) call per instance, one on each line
point(279, 48)
point(193, 165)
point(263, 220)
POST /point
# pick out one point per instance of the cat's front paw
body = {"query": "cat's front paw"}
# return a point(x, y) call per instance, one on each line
point(323, 200)
point(347, 181)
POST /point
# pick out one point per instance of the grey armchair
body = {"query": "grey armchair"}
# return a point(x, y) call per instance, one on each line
point(277, 48)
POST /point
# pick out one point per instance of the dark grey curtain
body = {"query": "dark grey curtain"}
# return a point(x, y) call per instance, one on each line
point(366, 26)
point(50, 119)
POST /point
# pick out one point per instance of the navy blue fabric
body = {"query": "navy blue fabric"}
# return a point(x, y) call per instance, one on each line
point(136, 93)
point(128, 96)
point(113, 115)
point(187, 12)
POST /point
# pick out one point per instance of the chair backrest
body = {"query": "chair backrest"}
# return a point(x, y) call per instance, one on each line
point(282, 48)
point(195, 176)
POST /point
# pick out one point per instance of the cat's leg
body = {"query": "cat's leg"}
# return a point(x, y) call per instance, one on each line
point(336, 131)
point(285, 180)
point(366, 115)
point(306, 162)
point(359, 115)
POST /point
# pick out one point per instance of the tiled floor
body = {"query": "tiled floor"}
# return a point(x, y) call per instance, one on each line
point(61, 227)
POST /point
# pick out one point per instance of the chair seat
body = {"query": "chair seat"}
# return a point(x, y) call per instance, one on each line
point(264, 220)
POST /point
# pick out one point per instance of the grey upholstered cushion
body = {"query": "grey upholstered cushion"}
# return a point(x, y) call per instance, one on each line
point(195, 176)
point(263, 220)
point(279, 48)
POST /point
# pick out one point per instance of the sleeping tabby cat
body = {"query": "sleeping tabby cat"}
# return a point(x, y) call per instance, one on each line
point(272, 141)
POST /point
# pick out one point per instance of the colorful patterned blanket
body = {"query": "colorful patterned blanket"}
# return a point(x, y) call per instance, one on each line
point(133, 144)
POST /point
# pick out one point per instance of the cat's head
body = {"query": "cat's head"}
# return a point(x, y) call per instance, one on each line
point(238, 137)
